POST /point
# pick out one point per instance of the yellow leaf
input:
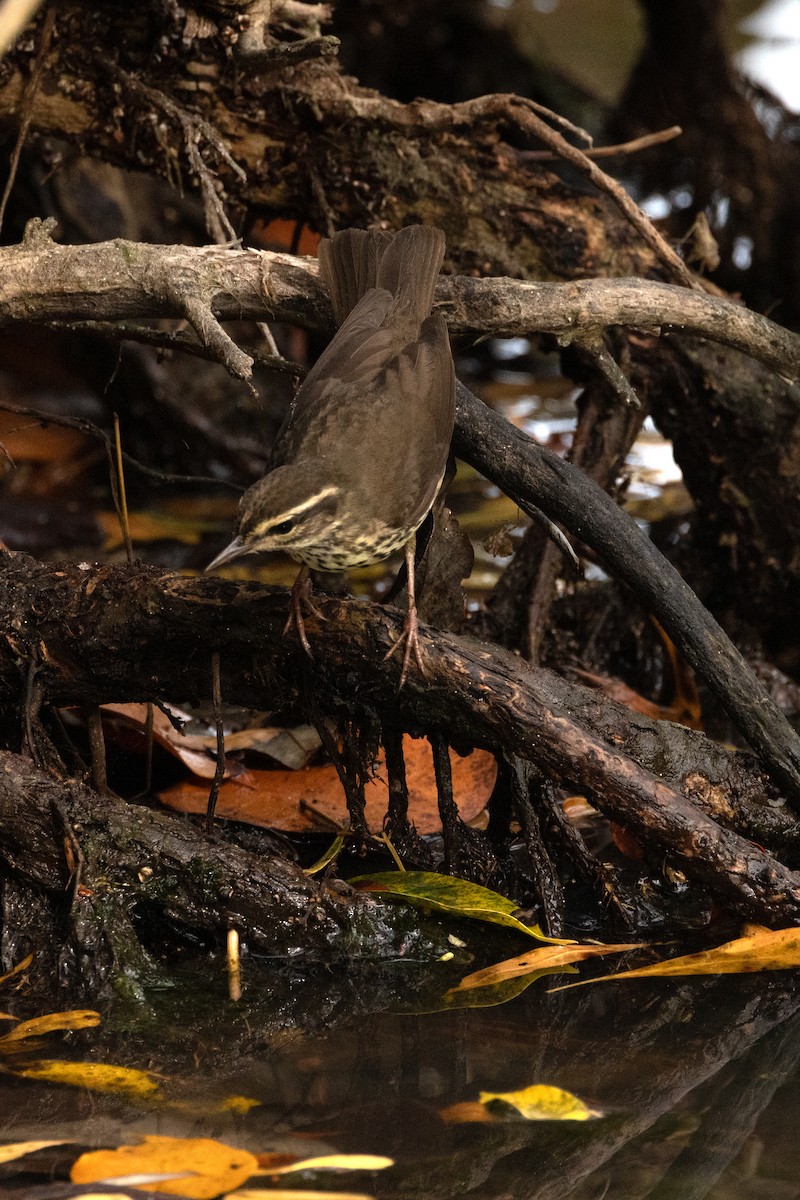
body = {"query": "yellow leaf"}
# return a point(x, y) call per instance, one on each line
point(116, 1195)
point(205, 1168)
point(21, 966)
point(338, 1162)
point(542, 1103)
point(20, 1149)
point(152, 527)
point(549, 959)
point(456, 897)
point(763, 950)
point(237, 1104)
point(97, 1077)
point(77, 1019)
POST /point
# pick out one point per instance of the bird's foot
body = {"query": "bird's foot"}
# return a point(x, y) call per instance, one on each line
point(409, 640)
point(300, 599)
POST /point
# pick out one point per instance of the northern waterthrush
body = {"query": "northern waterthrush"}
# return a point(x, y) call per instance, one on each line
point(362, 452)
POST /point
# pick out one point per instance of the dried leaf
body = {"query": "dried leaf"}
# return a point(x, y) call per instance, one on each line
point(762, 950)
point(16, 1150)
point(199, 1168)
point(542, 1103)
point(21, 966)
point(467, 1112)
point(287, 800)
point(455, 897)
point(36, 1026)
point(549, 959)
point(153, 527)
point(97, 1077)
point(339, 1162)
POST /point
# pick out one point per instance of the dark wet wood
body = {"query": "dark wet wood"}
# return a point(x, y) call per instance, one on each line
point(133, 634)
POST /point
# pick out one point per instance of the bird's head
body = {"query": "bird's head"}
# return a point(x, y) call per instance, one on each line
point(294, 508)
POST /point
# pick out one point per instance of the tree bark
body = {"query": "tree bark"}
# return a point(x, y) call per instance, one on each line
point(108, 634)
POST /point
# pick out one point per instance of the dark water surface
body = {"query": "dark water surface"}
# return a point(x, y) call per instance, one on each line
point(697, 1081)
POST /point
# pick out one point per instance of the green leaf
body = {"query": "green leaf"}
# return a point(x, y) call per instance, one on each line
point(456, 897)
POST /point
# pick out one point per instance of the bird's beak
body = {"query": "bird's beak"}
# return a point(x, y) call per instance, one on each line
point(233, 550)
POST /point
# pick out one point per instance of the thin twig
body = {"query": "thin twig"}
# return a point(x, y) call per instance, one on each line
point(122, 510)
point(176, 339)
point(219, 773)
point(529, 121)
point(634, 146)
point(97, 747)
point(85, 426)
point(33, 84)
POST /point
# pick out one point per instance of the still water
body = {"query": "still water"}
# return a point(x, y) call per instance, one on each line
point(696, 1081)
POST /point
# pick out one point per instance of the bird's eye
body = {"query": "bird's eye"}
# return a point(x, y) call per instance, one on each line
point(284, 527)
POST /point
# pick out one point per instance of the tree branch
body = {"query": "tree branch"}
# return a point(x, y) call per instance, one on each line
point(132, 633)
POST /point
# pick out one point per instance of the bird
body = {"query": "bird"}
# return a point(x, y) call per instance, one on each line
point(363, 450)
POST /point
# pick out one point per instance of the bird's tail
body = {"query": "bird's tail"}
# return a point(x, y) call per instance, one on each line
point(406, 264)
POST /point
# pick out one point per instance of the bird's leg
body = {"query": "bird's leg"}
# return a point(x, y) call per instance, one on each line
point(409, 638)
point(300, 597)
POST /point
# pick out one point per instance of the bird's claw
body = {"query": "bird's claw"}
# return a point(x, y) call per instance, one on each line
point(409, 639)
point(300, 598)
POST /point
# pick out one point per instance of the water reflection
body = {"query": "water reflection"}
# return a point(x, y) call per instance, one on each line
point(696, 1082)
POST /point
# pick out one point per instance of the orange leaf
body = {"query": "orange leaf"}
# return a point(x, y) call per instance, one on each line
point(762, 950)
point(199, 1168)
point(282, 799)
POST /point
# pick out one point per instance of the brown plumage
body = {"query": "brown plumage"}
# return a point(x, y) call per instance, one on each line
point(361, 455)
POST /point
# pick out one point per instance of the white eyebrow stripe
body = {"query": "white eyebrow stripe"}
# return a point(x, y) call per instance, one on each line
point(289, 513)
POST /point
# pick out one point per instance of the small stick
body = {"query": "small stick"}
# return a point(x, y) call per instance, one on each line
point(216, 782)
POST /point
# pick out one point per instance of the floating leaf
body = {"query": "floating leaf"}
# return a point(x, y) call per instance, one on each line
point(199, 1168)
point(549, 960)
point(339, 1162)
point(21, 966)
point(237, 1104)
point(97, 1077)
point(19, 1149)
point(761, 950)
point(542, 1103)
point(77, 1019)
point(492, 994)
point(455, 897)
point(467, 1112)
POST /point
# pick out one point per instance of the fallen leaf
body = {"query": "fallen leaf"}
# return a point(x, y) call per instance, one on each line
point(19, 1149)
point(292, 748)
point(97, 1077)
point(199, 1168)
point(21, 966)
point(467, 1112)
point(548, 959)
point(153, 527)
point(763, 950)
point(542, 1103)
point(456, 897)
point(287, 800)
point(333, 851)
point(338, 1162)
point(36, 1026)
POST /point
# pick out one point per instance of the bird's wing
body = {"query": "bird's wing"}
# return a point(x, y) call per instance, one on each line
point(352, 358)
